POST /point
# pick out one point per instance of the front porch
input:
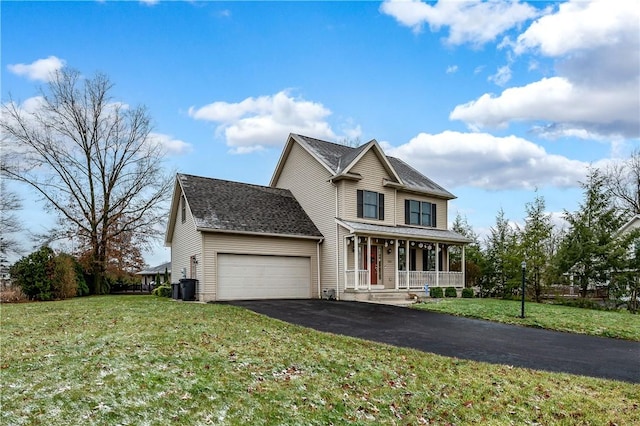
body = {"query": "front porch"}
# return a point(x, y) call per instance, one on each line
point(385, 264)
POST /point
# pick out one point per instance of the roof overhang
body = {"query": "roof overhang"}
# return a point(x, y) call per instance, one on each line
point(418, 191)
point(346, 176)
point(404, 232)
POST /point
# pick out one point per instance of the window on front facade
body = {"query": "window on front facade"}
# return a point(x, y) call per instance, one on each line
point(428, 259)
point(420, 213)
point(412, 259)
point(370, 205)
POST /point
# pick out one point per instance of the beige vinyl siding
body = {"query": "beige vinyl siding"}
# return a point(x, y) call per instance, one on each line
point(308, 181)
point(441, 208)
point(373, 173)
point(227, 243)
point(186, 242)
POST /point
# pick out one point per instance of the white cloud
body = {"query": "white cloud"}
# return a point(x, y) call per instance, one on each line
point(258, 123)
point(611, 111)
point(452, 69)
point(485, 161)
point(581, 25)
point(595, 92)
point(473, 21)
point(149, 2)
point(502, 76)
point(171, 146)
point(41, 69)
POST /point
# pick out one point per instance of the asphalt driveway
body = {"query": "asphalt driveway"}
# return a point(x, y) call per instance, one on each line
point(462, 337)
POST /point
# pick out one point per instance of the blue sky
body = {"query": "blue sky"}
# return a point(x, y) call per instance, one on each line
point(489, 99)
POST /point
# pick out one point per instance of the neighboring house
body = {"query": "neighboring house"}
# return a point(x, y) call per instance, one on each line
point(633, 223)
point(297, 238)
point(149, 275)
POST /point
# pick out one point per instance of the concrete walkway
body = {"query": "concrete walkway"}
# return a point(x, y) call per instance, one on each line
point(462, 337)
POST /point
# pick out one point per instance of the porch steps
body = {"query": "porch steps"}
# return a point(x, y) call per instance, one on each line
point(386, 297)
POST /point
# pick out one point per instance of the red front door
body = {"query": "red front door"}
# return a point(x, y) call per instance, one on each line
point(373, 267)
point(370, 263)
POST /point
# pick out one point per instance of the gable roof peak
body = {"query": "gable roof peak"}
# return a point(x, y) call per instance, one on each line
point(338, 159)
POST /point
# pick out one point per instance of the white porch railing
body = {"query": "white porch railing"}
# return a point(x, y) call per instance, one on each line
point(363, 279)
point(416, 280)
point(411, 280)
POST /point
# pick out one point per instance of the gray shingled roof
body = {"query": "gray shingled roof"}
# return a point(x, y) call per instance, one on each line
point(337, 157)
point(413, 179)
point(233, 206)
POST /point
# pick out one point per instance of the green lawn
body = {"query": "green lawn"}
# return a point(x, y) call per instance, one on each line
point(136, 360)
point(618, 324)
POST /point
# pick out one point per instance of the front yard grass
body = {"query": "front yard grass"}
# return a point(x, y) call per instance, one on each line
point(617, 324)
point(140, 360)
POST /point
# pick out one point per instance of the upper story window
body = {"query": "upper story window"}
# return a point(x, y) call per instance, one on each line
point(183, 208)
point(370, 205)
point(419, 213)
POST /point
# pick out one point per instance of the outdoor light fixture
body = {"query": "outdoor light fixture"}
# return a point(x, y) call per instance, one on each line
point(524, 269)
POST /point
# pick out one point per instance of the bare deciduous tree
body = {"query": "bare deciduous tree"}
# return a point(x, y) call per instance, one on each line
point(92, 160)
point(9, 222)
point(623, 181)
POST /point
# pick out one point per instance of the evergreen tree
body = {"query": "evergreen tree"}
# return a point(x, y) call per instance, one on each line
point(587, 250)
point(503, 259)
point(535, 239)
point(474, 258)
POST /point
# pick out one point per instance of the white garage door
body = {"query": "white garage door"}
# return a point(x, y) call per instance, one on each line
point(243, 276)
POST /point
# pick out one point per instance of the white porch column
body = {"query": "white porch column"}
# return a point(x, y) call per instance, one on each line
point(406, 261)
point(345, 257)
point(356, 267)
point(437, 264)
point(464, 278)
point(368, 260)
point(397, 263)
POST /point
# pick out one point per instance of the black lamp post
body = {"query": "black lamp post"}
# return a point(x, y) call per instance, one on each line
point(524, 268)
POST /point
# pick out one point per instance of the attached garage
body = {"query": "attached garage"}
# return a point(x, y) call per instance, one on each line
point(242, 241)
point(243, 276)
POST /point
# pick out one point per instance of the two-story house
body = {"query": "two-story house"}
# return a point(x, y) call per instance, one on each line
point(335, 220)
